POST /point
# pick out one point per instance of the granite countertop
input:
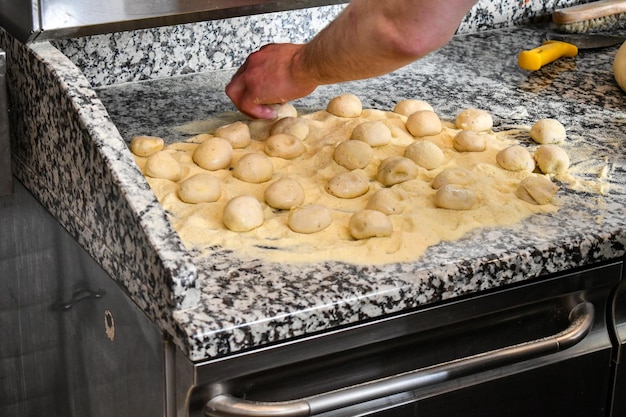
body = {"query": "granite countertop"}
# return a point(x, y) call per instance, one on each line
point(235, 305)
point(70, 149)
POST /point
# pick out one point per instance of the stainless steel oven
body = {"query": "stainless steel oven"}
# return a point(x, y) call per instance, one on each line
point(539, 348)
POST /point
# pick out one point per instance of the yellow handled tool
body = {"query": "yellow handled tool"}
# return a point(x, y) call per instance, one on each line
point(548, 52)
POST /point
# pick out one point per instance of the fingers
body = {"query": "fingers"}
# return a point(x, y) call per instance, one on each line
point(266, 79)
point(238, 93)
point(260, 111)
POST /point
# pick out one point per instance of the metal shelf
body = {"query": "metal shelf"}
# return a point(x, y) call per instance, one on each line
point(40, 20)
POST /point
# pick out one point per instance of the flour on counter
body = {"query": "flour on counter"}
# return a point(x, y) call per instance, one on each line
point(417, 225)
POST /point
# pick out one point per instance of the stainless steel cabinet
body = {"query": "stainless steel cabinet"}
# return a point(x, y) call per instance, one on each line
point(72, 344)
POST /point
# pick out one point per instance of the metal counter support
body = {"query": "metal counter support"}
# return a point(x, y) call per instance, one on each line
point(6, 181)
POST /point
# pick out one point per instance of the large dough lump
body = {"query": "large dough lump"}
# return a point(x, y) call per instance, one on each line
point(345, 105)
point(347, 185)
point(146, 145)
point(516, 158)
point(424, 123)
point(243, 213)
point(374, 133)
point(284, 194)
point(284, 145)
point(396, 169)
point(365, 224)
point(409, 106)
point(237, 133)
point(548, 131)
point(469, 141)
point(536, 190)
point(386, 200)
point(309, 219)
point(454, 176)
point(292, 126)
point(353, 154)
point(213, 154)
point(200, 188)
point(455, 198)
point(552, 159)
point(163, 165)
point(254, 168)
point(474, 119)
point(619, 66)
point(425, 154)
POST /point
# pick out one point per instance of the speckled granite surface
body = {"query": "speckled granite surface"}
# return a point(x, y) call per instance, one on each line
point(69, 145)
point(473, 70)
point(223, 44)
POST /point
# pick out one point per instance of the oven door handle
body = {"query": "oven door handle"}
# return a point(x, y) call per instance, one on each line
point(581, 319)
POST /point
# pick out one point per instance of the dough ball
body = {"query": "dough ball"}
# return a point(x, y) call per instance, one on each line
point(213, 154)
point(396, 169)
point(365, 224)
point(474, 119)
point(238, 134)
point(548, 131)
point(285, 110)
point(453, 197)
point(551, 159)
point(310, 218)
point(146, 145)
point(425, 154)
point(243, 213)
point(424, 123)
point(200, 188)
point(469, 141)
point(292, 126)
point(386, 200)
point(254, 168)
point(409, 106)
point(619, 67)
point(284, 145)
point(374, 133)
point(345, 105)
point(347, 185)
point(284, 194)
point(536, 190)
point(163, 165)
point(353, 154)
point(515, 158)
point(453, 176)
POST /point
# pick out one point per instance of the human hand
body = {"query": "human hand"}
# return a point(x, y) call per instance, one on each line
point(272, 75)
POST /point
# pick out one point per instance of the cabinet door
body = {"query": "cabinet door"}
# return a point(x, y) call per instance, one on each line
point(73, 343)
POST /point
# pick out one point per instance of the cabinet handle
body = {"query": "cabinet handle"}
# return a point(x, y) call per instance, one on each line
point(79, 295)
point(581, 320)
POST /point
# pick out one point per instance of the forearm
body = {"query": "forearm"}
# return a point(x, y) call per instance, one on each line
point(369, 38)
point(373, 37)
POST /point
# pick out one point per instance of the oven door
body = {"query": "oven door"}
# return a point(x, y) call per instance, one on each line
point(538, 348)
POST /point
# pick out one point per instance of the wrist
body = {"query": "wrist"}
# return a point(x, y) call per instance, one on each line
point(303, 71)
